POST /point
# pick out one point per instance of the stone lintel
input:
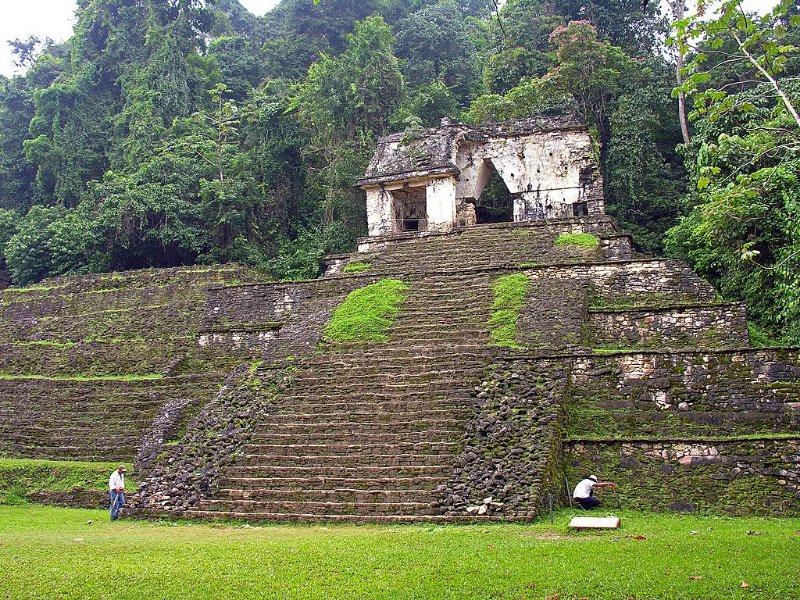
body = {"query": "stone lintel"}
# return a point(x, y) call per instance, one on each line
point(399, 180)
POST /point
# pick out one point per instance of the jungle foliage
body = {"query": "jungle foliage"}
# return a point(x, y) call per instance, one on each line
point(174, 132)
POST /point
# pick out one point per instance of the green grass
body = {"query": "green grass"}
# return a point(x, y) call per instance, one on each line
point(47, 553)
point(509, 294)
point(148, 377)
point(584, 240)
point(20, 477)
point(357, 266)
point(367, 313)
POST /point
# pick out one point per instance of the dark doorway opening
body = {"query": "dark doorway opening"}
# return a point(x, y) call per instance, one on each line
point(496, 204)
point(410, 209)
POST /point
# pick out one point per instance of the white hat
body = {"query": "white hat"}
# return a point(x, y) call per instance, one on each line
point(593, 478)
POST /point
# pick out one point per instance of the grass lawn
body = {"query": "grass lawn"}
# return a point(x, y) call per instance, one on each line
point(50, 552)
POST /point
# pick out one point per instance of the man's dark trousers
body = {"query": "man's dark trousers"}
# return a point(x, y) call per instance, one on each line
point(588, 503)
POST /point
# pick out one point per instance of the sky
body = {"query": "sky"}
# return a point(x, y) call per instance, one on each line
point(54, 18)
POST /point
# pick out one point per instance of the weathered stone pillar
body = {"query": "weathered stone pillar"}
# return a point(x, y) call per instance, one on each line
point(379, 211)
point(441, 204)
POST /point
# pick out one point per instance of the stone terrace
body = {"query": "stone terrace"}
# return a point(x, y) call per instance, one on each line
point(428, 424)
point(89, 362)
point(236, 406)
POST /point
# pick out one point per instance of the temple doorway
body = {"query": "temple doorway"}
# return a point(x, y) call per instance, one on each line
point(496, 203)
point(410, 209)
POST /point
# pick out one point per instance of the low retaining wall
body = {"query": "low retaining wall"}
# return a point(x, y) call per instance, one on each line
point(734, 477)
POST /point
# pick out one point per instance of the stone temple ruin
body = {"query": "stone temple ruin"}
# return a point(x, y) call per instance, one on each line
point(230, 401)
point(431, 179)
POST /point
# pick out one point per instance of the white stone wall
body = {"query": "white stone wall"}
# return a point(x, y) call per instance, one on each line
point(441, 204)
point(379, 211)
point(543, 169)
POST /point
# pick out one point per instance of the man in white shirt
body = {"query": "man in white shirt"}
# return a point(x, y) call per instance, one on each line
point(116, 488)
point(584, 492)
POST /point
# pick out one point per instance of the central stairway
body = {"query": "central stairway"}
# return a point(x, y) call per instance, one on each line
point(369, 433)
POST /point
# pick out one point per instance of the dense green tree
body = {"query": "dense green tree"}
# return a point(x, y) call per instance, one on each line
point(633, 25)
point(433, 45)
point(345, 102)
point(744, 162)
point(644, 174)
point(239, 64)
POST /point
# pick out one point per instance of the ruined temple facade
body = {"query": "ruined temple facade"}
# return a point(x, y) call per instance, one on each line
point(432, 179)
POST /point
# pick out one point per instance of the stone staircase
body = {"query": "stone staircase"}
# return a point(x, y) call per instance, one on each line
point(495, 246)
point(369, 433)
point(393, 431)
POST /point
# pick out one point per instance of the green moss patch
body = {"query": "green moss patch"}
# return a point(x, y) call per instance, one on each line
point(367, 313)
point(47, 343)
point(21, 477)
point(509, 294)
point(584, 240)
point(356, 267)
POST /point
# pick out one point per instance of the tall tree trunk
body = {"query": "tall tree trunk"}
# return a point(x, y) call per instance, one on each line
point(678, 9)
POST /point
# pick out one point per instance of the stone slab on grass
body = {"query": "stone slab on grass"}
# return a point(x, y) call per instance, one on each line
point(594, 523)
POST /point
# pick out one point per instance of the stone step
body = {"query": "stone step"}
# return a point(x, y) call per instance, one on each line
point(339, 471)
point(93, 454)
point(50, 420)
point(429, 327)
point(326, 496)
point(457, 310)
point(326, 405)
point(390, 362)
point(331, 483)
point(383, 353)
point(355, 417)
point(334, 459)
point(345, 445)
point(356, 386)
point(318, 426)
point(388, 436)
point(408, 374)
point(415, 509)
point(456, 394)
point(12, 402)
point(68, 437)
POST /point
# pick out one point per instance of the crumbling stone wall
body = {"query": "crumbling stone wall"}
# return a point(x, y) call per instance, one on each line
point(710, 326)
point(636, 279)
point(274, 320)
point(685, 393)
point(189, 469)
point(512, 444)
point(554, 312)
